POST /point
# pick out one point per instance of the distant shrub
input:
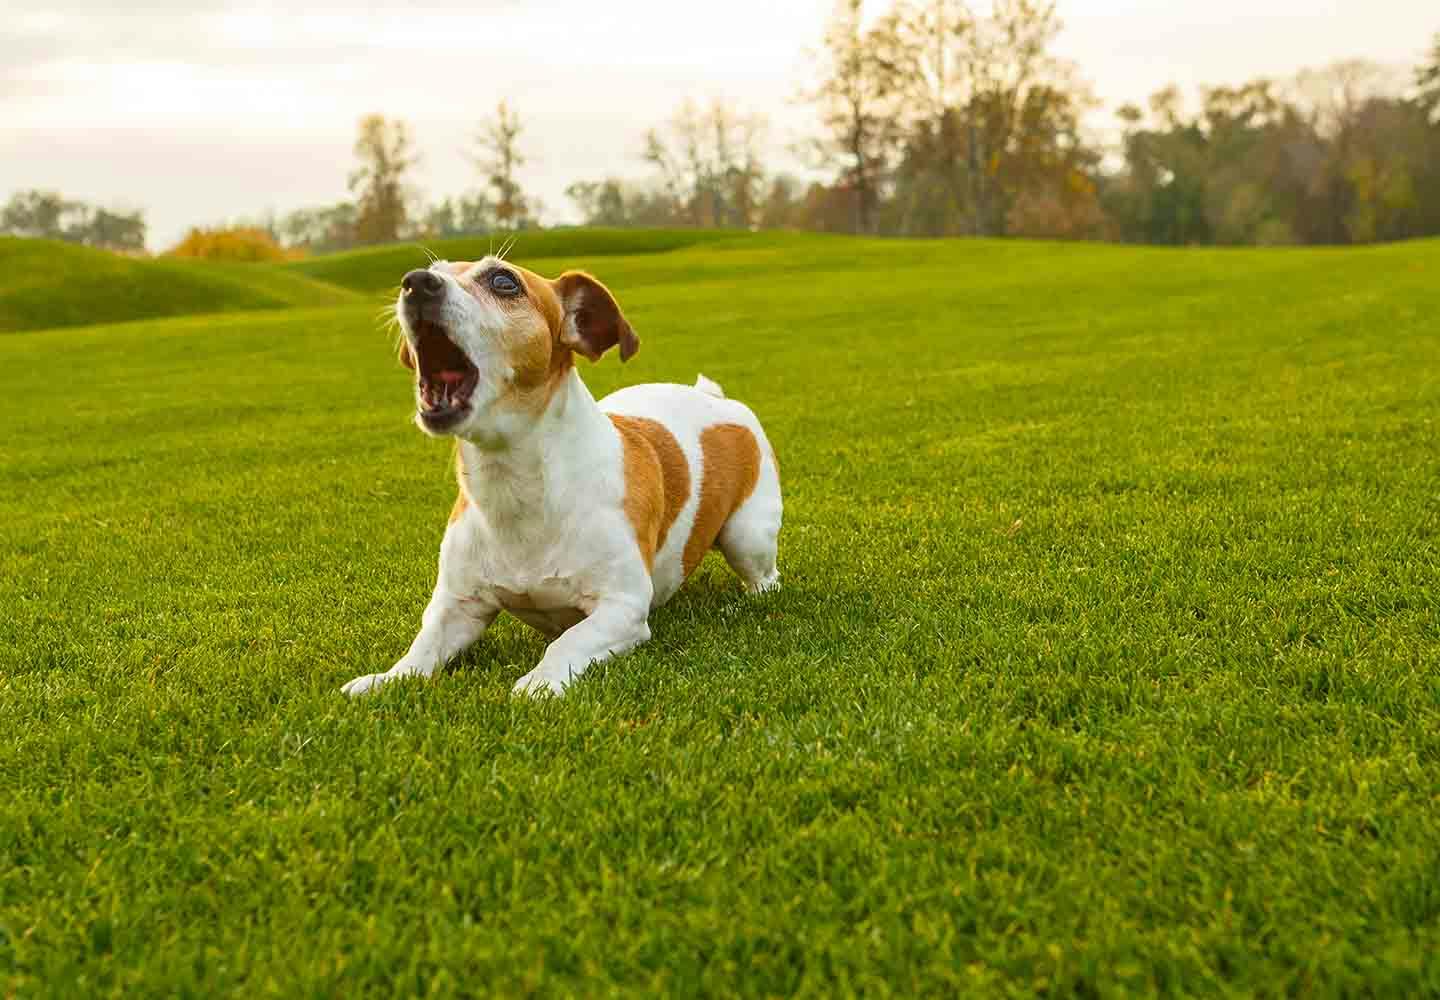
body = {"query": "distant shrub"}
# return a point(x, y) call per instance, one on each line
point(241, 243)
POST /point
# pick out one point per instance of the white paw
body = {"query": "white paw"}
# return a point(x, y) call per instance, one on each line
point(368, 683)
point(765, 585)
point(537, 684)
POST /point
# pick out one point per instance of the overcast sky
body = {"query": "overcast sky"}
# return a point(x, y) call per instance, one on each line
point(205, 110)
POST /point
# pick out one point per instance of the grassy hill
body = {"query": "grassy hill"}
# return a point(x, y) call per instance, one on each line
point(374, 269)
point(46, 283)
point(1104, 663)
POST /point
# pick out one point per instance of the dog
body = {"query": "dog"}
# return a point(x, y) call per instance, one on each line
point(574, 516)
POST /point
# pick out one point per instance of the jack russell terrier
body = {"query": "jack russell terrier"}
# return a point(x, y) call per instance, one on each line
point(576, 517)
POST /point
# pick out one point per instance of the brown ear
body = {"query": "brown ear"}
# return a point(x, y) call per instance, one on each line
point(593, 322)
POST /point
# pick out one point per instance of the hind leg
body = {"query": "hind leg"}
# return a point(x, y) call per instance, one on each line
point(750, 538)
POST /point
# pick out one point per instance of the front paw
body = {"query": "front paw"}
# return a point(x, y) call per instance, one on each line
point(366, 684)
point(538, 684)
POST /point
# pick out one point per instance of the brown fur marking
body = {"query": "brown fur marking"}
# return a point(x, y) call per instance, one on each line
point(542, 296)
point(596, 322)
point(463, 500)
point(657, 480)
point(535, 339)
point(731, 468)
point(459, 509)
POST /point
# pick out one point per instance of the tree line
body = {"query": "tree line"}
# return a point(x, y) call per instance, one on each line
point(48, 215)
point(935, 120)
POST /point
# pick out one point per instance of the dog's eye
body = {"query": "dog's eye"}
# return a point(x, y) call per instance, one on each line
point(504, 283)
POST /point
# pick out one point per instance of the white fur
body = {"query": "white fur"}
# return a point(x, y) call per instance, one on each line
point(686, 411)
point(709, 388)
point(545, 535)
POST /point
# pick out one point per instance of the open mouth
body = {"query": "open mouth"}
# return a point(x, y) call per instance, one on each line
point(447, 378)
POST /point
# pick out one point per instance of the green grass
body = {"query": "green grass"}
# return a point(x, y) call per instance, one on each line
point(380, 268)
point(45, 283)
point(1104, 663)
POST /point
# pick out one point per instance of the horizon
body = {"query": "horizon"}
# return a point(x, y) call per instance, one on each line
point(203, 115)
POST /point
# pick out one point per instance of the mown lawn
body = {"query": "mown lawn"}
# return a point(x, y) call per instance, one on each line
point(1105, 663)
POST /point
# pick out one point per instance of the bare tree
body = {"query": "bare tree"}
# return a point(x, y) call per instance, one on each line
point(500, 159)
point(857, 97)
point(1427, 80)
point(928, 45)
point(925, 44)
point(709, 163)
point(1335, 94)
point(991, 118)
point(385, 152)
point(1011, 67)
point(674, 151)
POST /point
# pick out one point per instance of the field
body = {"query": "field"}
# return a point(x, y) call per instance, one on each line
point(1105, 662)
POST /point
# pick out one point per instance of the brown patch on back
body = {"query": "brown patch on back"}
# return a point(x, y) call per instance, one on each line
point(657, 480)
point(731, 469)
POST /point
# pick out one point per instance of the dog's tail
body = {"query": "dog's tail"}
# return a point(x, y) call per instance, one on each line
point(709, 388)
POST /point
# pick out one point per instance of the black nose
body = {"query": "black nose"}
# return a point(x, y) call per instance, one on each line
point(423, 284)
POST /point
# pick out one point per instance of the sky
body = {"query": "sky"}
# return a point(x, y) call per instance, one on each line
point(205, 111)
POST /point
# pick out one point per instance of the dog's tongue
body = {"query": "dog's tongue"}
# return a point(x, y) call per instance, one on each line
point(450, 378)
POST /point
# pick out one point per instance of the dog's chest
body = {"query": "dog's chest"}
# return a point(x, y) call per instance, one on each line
point(544, 586)
point(549, 606)
point(544, 566)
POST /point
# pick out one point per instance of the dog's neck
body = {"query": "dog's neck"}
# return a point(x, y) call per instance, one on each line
point(529, 470)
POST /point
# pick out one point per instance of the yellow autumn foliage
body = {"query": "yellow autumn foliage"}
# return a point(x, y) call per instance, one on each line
point(238, 243)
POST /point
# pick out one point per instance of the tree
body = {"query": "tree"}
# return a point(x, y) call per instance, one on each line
point(37, 213)
point(601, 203)
point(385, 153)
point(780, 209)
point(925, 46)
point(1427, 81)
point(709, 163)
point(111, 230)
point(985, 121)
point(858, 96)
point(1208, 177)
point(320, 230)
point(500, 158)
point(1335, 156)
point(1016, 84)
point(46, 214)
point(463, 216)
